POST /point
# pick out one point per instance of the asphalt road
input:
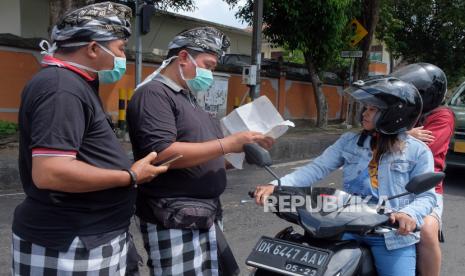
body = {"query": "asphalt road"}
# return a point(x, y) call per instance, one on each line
point(246, 222)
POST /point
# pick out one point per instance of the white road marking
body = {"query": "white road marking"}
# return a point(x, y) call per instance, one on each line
point(291, 163)
point(12, 194)
point(279, 165)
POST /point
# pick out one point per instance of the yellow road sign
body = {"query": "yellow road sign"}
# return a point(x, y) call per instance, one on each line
point(358, 32)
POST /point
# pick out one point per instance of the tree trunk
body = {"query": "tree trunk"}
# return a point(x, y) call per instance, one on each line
point(370, 18)
point(59, 7)
point(320, 100)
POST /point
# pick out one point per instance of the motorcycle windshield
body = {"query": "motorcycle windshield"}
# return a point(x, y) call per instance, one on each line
point(334, 212)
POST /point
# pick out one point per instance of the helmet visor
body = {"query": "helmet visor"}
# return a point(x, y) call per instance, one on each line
point(365, 97)
point(380, 92)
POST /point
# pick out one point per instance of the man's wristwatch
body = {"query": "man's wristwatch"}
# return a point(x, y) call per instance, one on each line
point(133, 176)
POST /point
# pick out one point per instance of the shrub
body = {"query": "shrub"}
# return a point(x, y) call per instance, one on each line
point(8, 127)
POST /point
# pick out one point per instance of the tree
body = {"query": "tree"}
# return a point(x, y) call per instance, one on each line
point(60, 7)
point(369, 19)
point(426, 31)
point(313, 27)
point(367, 13)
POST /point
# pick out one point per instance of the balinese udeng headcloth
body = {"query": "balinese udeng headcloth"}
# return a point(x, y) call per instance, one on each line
point(202, 39)
point(97, 22)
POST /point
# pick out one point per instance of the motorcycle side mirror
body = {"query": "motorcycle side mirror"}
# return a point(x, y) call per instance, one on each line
point(256, 155)
point(417, 185)
point(423, 182)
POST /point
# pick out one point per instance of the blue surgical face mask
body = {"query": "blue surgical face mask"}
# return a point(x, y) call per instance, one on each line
point(202, 81)
point(115, 74)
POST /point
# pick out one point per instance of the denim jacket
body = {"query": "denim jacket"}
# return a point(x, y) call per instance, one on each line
point(394, 172)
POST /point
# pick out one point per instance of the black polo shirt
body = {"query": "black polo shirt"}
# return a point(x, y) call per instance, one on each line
point(61, 114)
point(161, 113)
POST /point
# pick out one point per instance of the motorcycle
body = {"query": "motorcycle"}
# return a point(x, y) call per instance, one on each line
point(320, 250)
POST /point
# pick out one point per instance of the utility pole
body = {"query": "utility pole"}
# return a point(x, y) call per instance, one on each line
point(138, 38)
point(256, 56)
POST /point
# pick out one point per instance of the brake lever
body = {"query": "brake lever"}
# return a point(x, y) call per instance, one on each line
point(251, 195)
point(395, 225)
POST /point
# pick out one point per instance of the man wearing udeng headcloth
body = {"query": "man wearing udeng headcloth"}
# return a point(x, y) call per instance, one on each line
point(79, 182)
point(180, 210)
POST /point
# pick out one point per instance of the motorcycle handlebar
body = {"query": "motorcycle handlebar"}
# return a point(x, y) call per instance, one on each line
point(396, 226)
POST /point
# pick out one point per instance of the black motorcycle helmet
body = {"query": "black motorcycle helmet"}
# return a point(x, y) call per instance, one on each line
point(430, 81)
point(399, 103)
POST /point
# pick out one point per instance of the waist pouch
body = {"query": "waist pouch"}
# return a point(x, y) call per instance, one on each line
point(185, 213)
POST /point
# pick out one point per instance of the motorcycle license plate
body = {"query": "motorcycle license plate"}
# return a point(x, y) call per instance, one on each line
point(288, 258)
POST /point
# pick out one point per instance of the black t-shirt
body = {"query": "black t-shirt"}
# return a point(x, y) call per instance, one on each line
point(161, 113)
point(61, 111)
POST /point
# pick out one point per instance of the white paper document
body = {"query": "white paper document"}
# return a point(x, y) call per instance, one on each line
point(259, 115)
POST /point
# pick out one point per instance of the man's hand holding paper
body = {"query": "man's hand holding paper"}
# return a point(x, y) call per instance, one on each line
point(259, 117)
point(234, 143)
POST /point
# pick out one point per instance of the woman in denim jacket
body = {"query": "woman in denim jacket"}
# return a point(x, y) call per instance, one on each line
point(379, 162)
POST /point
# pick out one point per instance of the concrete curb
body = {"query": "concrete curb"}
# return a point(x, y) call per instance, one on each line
point(292, 146)
point(295, 147)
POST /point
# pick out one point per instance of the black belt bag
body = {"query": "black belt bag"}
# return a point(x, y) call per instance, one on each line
point(186, 213)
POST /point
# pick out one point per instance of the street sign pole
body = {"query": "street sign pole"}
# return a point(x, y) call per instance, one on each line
point(359, 32)
point(350, 102)
point(256, 57)
point(351, 71)
point(138, 38)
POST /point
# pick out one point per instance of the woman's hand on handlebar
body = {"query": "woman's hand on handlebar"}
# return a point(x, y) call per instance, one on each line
point(262, 192)
point(406, 223)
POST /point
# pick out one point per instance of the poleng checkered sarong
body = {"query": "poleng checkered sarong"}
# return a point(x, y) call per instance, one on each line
point(107, 259)
point(180, 251)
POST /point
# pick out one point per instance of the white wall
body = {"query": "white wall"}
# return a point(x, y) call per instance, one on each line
point(34, 16)
point(10, 17)
point(164, 27)
point(386, 58)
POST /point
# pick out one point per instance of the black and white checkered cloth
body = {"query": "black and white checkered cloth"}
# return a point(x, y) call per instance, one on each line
point(107, 259)
point(180, 251)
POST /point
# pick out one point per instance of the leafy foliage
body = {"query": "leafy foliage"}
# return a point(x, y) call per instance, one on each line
point(311, 26)
point(295, 56)
point(8, 128)
point(426, 30)
point(60, 7)
point(176, 5)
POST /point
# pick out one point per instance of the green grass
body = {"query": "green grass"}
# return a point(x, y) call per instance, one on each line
point(8, 128)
